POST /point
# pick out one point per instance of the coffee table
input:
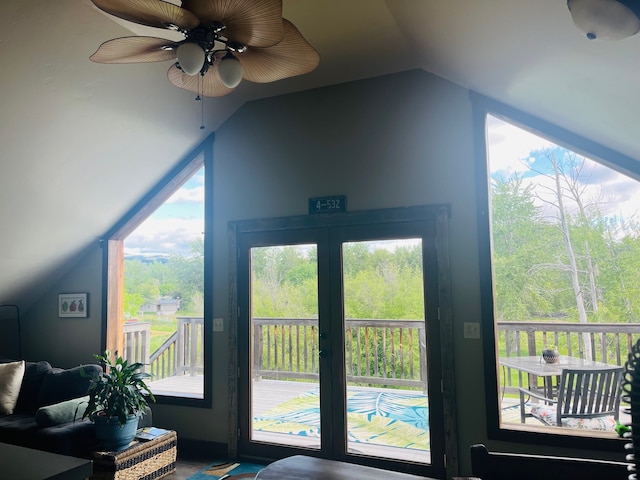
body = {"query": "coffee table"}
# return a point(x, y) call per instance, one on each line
point(21, 463)
point(300, 467)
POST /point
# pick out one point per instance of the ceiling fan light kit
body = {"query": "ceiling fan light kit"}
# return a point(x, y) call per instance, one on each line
point(606, 19)
point(230, 71)
point(225, 42)
point(191, 57)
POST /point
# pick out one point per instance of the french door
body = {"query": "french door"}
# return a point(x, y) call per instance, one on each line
point(338, 342)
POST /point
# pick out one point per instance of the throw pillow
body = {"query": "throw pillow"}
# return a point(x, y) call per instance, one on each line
point(34, 373)
point(11, 375)
point(60, 385)
point(549, 415)
point(63, 412)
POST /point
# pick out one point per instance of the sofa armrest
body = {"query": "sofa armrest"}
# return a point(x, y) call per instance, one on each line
point(146, 419)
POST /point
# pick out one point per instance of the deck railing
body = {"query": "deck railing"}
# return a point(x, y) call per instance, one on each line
point(180, 354)
point(137, 342)
point(606, 342)
point(377, 352)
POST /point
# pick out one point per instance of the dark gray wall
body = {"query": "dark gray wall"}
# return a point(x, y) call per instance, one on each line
point(391, 141)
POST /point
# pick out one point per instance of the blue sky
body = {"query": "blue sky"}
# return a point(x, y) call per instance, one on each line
point(511, 150)
point(174, 225)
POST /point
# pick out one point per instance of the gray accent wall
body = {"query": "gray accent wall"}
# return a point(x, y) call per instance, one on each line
point(398, 140)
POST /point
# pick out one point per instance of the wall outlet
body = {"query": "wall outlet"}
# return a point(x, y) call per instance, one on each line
point(471, 330)
point(218, 324)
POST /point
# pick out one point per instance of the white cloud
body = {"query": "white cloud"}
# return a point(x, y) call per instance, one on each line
point(192, 195)
point(510, 149)
point(162, 236)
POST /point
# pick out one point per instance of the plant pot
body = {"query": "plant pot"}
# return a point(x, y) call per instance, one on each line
point(111, 435)
point(550, 355)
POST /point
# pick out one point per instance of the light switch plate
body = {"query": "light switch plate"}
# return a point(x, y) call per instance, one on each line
point(471, 330)
point(218, 324)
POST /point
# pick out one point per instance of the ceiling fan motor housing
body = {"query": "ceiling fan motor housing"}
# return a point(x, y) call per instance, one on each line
point(242, 40)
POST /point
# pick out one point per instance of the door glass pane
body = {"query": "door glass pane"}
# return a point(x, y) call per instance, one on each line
point(285, 401)
point(385, 349)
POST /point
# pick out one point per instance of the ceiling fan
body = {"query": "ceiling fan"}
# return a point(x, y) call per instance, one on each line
point(225, 41)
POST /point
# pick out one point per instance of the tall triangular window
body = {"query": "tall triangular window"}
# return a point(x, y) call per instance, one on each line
point(157, 282)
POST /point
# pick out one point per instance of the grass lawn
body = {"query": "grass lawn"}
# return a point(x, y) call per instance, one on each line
point(161, 328)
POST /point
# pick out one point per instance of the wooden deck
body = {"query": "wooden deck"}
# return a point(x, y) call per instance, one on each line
point(268, 394)
point(179, 386)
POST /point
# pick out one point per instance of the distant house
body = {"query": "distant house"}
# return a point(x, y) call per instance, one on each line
point(163, 306)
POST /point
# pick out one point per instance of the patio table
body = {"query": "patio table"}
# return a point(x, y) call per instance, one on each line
point(535, 366)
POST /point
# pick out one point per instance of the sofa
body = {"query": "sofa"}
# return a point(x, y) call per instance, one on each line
point(491, 465)
point(41, 406)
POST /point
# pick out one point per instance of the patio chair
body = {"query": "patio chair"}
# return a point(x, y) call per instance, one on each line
point(586, 399)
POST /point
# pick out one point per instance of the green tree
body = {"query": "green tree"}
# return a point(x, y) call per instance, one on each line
point(520, 241)
point(140, 285)
point(567, 259)
point(186, 277)
point(132, 304)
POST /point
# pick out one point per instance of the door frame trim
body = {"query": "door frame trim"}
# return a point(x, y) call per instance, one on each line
point(440, 213)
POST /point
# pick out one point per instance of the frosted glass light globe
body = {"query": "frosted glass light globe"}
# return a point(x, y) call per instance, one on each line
point(230, 71)
point(604, 19)
point(190, 57)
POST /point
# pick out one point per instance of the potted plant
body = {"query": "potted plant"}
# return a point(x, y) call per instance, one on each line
point(550, 354)
point(117, 400)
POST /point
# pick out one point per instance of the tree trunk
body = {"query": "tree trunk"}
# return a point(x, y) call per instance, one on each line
point(592, 280)
point(573, 270)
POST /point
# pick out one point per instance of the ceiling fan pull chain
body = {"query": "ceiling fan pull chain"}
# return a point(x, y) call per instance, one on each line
point(202, 113)
point(200, 98)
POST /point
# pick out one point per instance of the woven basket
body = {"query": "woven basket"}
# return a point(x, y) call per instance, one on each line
point(149, 459)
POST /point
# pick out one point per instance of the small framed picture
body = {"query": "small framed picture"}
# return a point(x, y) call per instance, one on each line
point(72, 305)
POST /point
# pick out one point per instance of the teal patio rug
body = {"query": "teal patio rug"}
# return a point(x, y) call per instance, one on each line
point(228, 470)
point(394, 418)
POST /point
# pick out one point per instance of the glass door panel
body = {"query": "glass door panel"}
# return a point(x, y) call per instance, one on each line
point(385, 367)
point(284, 354)
point(333, 343)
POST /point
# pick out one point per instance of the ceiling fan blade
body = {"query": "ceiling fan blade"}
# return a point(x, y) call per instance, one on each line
point(208, 85)
point(134, 50)
point(292, 56)
point(153, 13)
point(251, 22)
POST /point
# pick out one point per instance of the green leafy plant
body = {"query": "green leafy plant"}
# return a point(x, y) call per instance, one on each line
point(119, 391)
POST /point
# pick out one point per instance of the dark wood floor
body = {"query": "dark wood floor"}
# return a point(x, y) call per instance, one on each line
point(187, 467)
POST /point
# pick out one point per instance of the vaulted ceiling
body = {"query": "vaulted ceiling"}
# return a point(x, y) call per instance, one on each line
point(79, 138)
